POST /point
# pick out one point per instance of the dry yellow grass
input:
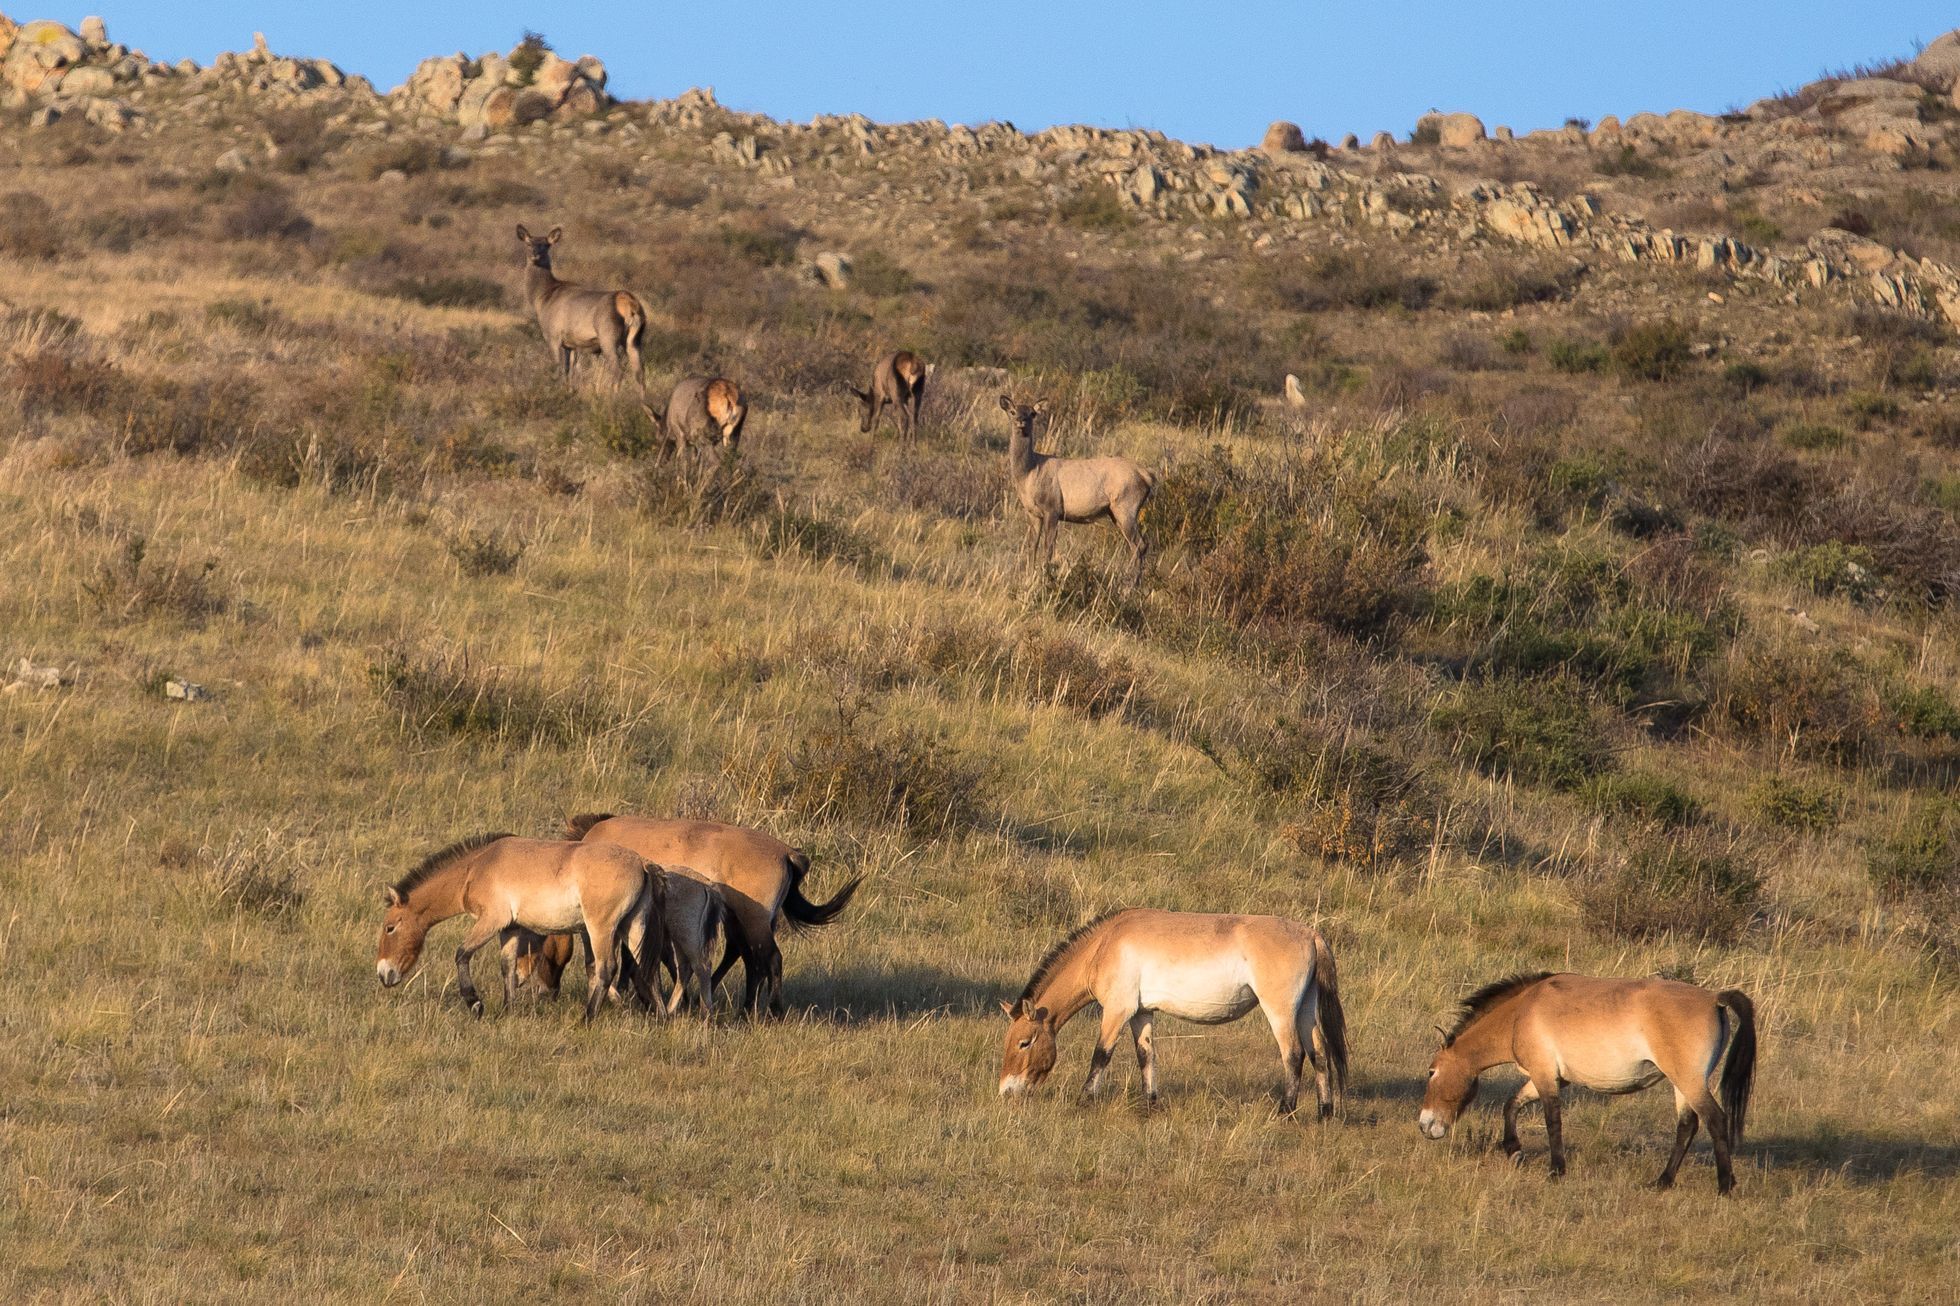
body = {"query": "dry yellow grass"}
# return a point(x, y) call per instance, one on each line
point(206, 1096)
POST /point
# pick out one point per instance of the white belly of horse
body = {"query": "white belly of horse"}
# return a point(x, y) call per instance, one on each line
point(1612, 1074)
point(556, 913)
point(1205, 1003)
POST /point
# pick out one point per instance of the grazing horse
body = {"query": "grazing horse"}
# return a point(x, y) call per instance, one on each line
point(1610, 1035)
point(761, 881)
point(1203, 968)
point(692, 913)
point(541, 885)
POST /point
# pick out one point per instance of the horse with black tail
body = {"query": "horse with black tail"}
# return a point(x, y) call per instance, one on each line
point(761, 880)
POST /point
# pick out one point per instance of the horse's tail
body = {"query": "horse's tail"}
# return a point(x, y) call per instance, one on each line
point(577, 827)
point(632, 314)
point(799, 911)
point(1333, 1020)
point(1739, 1075)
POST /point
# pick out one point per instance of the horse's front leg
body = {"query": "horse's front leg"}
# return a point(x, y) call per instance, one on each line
point(480, 933)
point(1527, 1092)
point(1113, 1020)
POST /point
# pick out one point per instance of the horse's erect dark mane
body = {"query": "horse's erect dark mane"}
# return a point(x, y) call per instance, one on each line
point(1047, 963)
point(444, 857)
point(1484, 998)
point(577, 826)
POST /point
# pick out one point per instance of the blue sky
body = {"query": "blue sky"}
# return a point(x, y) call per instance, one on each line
point(1213, 72)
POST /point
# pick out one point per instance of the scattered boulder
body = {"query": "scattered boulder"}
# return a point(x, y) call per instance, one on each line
point(29, 677)
point(1295, 396)
point(499, 91)
point(188, 691)
point(1284, 138)
point(1939, 63)
point(1454, 131)
point(833, 269)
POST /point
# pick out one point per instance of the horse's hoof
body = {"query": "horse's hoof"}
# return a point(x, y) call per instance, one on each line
point(1556, 1172)
point(1663, 1183)
point(476, 1008)
point(1725, 1187)
point(1326, 1111)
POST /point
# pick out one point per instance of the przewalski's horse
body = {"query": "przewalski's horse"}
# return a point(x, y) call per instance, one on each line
point(899, 380)
point(576, 320)
point(693, 914)
point(1609, 1035)
point(761, 881)
point(541, 885)
point(1203, 968)
point(1055, 490)
point(702, 412)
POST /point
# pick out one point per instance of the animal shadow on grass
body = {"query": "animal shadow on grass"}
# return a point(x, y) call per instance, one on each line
point(858, 995)
point(1858, 1157)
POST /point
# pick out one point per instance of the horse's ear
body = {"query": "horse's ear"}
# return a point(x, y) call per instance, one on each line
point(1040, 1015)
point(1010, 1009)
point(1442, 1033)
point(1006, 404)
point(523, 233)
point(392, 896)
point(555, 235)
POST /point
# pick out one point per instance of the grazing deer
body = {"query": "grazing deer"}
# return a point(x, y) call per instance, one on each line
point(703, 411)
point(898, 380)
point(1055, 490)
point(575, 320)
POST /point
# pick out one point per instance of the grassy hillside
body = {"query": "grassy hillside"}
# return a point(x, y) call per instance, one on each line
point(1592, 615)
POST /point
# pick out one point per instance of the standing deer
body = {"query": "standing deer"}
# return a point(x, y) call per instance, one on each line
point(701, 410)
point(898, 380)
point(1054, 490)
point(580, 321)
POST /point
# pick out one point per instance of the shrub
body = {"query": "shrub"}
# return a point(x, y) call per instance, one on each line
point(1923, 855)
point(1093, 207)
point(1694, 888)
point(528, 57)
point(864, 771)
point(29, 227)
point(1537, 731)
point(446, 694)
point(1813, 436)
point(486, 552)
point(1643, 795)
point(61, 381)
point(1577, 355)
point(128, 586)
point(1794, 804)
point(1354, 801)
point(264, 212)
point(411, 156)
point(761, 243)
point(1653, 351)
point(1746, 376)
point(1924, 712)
point(1834, 569)
point(875, 272)
point(450, 291)
point(1057, 669)
point(1802, 699)
point(788, 530)
point(1628, 162)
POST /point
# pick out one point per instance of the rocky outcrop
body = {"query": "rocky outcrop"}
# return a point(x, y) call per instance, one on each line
point(499, 91)
point(1284, 138)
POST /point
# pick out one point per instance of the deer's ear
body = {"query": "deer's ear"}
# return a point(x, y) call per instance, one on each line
point(1006, 404)
point(555, 235)
point(523, 233)
point(1041, 409)
point(864, 395)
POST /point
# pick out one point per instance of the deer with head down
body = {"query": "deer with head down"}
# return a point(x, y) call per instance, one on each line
point(701, 411)
point(576, 320)
point(900, 381)
point(1054, 490)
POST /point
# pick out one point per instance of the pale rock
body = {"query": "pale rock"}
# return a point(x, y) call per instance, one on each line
point(832, 269)
point(95, 32)
point(1284, 138)
point(1453, 131)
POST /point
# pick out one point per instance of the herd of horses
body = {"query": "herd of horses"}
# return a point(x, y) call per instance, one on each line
point(648, 895)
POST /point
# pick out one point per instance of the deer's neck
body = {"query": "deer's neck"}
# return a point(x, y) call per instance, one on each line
point(540, 284)
point(1021, 457)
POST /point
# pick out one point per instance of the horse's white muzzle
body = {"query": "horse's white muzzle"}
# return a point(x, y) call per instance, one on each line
point(389, 973)
point(1013, 1085)
point(1431, 1125)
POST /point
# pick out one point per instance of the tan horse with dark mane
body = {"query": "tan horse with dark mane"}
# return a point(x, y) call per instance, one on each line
point(1202, 968)
point(694, 915)
point(761, 881)
point(1609, 1035)
point(544, 886)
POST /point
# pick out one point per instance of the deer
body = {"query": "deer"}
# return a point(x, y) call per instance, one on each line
point(576, 320)
point(1054, 490)
point(898, 380)
point(701, 410)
